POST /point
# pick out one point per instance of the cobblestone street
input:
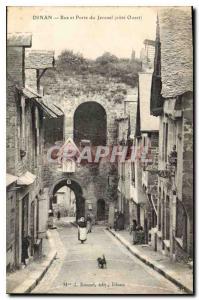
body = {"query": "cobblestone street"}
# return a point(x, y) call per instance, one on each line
point(75, 269)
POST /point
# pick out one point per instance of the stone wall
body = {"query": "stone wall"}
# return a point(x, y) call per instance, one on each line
point(70, 105)
point(187, 176)
point(92, 178)
point(19, 135)
point(31, 78)
point(15, 66)
point(14, 77)
point(68, 93)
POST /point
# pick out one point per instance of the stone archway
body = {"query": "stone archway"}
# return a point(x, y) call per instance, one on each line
point(90, 123)
point(76, 188)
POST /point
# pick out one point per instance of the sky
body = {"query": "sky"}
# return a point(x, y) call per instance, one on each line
point(124, 29)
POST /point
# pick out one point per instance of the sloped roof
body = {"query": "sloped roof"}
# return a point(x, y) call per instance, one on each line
point(39, 59)
point(26, 179)
point(28, 92)
point(147, 122)
point(48, 102)
point(51, 109)
point(17, 39)
point(10, 179)
point(176, 50)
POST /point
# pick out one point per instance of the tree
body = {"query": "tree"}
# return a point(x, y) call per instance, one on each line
point(106, 58)
point(70, 60)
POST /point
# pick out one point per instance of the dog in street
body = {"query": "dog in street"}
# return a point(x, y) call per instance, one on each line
point(101, 262)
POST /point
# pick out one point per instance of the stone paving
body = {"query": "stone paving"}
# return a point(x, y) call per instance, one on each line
point(75, 269)
point(179, 272)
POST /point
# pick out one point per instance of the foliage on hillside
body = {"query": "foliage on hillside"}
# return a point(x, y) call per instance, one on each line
point(107, 65)
point(108, 75)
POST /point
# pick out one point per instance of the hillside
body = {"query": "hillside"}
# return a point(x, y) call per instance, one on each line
point(74, 76)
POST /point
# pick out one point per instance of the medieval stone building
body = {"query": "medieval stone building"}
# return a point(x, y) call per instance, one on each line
point(90, 105)
point(146, 145)
point(136, 187)
point(25, 115)
point(172, 102)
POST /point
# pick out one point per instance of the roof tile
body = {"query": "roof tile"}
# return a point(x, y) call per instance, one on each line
point(17, 39)
point(176, 51)
point(39, 59)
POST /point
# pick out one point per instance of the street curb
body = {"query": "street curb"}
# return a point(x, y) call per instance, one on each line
point(151, 264)
point(30, 283)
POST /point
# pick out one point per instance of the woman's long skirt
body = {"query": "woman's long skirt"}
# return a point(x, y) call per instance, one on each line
point(82, 233)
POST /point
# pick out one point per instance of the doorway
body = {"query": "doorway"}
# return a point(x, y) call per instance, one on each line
point(24, 227)
point(100, 210)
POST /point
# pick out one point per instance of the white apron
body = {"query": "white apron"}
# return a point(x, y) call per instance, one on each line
point(82, 233)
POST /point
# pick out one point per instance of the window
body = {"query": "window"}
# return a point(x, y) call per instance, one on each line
point(165, 142)
point(20, 122)
point(144, 141)
point(163, 139)
point(167, 218)
point(34, 135)
point(133, 173)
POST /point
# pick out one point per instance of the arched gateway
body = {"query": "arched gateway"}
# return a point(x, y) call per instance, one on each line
point(90, 123)
point(76, 188)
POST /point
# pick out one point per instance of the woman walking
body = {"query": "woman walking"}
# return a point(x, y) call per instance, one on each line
point(82, 230)
point(89, 223)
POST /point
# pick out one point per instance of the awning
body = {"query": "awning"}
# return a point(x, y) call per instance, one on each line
point(49, 102)
point(50, 109)
point(26, 179)
point(28, 92)
point(10, 179)
point(47, 110)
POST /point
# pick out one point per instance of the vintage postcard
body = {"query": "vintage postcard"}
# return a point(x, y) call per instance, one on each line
point(99, 150)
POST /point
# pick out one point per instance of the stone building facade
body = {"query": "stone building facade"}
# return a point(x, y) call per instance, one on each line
point(172, 101)
point(123, 187)
point(146, 145)
point(24, 155)
point(126, 124)
point(89, 118)
point(137, 187)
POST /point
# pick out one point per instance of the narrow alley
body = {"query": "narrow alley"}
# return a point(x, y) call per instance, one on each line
point(75, 269)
